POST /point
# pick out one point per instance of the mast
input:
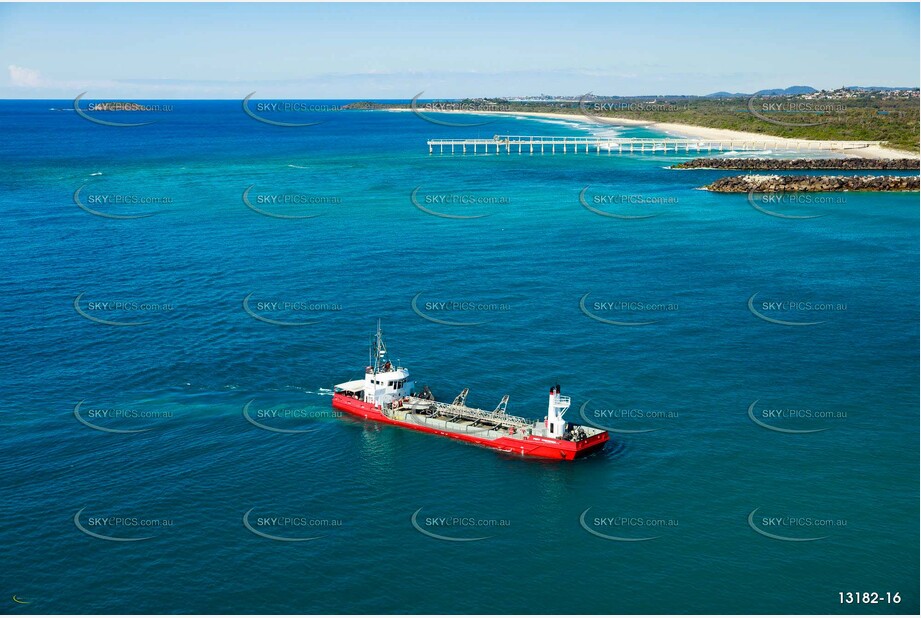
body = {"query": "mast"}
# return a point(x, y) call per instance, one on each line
point(379, 350)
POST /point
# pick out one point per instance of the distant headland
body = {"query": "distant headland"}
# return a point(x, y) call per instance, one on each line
point(852, 113)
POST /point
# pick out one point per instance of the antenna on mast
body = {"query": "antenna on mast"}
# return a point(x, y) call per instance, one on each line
point(380, 350)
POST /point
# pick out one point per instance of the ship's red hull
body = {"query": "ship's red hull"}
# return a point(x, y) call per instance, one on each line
point(532, 446)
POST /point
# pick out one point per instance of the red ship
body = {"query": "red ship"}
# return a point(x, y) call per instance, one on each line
point(387, 395)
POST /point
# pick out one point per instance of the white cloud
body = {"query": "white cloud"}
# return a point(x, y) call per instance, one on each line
point(25, 78)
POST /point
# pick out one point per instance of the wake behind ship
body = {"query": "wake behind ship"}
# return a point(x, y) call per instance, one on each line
point(387, 395)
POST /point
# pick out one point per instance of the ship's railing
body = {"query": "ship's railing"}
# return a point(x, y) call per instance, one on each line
point(457, 425)
point(486, 415)
point(474, 414)
point(483, 415)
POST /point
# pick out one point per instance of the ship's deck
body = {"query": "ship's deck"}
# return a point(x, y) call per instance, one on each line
point(463, 419)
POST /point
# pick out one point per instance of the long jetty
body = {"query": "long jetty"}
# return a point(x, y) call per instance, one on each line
point(543, 144)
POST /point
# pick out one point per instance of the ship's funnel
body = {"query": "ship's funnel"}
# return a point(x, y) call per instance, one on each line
point(556, 407)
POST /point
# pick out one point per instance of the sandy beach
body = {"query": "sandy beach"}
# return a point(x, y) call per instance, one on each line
point(696, 132)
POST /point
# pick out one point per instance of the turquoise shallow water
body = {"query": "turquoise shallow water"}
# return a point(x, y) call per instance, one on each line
point(690, 375)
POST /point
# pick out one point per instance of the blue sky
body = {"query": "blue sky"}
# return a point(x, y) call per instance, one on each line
point(350, 50)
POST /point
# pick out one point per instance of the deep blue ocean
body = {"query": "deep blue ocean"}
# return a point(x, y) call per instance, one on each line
point(758, 373)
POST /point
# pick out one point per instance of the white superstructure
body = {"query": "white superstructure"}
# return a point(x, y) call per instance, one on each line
point(384, 383)
point(556, 408)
